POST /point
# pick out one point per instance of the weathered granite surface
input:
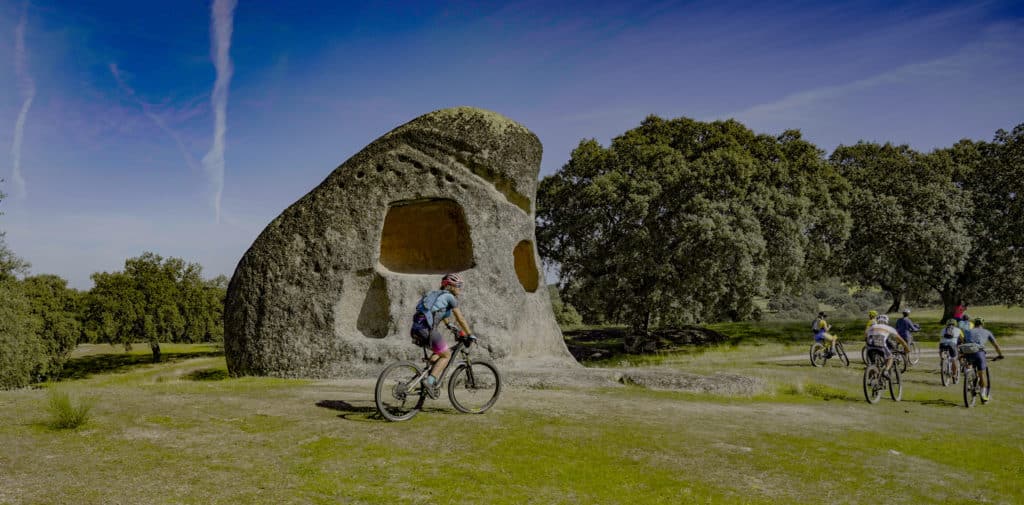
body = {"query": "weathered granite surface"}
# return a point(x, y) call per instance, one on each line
point(329, 287)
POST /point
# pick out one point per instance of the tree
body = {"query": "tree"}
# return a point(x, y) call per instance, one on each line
point(909, 231)
point(21, 350)
point(157, 300)
point(992, 176)
point(55, 309)
point(680, 221)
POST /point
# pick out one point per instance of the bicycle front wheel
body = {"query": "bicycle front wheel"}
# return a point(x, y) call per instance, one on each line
point(895, 385)
point(915, 353)
point(842, 354)
point(970, 379)
point(398, 394)
point(817, 354)
point(474, 387)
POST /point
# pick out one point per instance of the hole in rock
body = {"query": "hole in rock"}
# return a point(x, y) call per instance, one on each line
point(426, 237)
point(526, 266)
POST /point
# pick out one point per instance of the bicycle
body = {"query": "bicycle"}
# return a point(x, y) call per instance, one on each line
point(876, 378)
point(972, 382)
point(949, 372)
point(820, 354)
point(473, 388)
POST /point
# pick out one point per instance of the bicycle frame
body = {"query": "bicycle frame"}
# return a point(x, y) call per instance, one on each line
point(460, 346)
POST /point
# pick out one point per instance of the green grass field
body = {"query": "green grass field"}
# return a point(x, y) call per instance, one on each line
point(183, 432)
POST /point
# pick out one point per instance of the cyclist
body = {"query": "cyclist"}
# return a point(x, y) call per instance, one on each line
point(872, 318)
point(434, 308)
point(878, 335)
point(965, 325)
point(821, 327)
point(949, 339)
point(979, 335)
point(906, 327)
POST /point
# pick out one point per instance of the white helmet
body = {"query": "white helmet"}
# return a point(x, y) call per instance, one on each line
point(882, 319)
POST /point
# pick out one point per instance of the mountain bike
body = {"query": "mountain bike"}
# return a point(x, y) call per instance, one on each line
point(473, 388)
point(877, 378)
point(820, 353)
point(949, 372)
point(972, 382)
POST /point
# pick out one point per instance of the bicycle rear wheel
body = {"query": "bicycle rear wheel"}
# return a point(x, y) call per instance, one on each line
point(872, 384)
point(895, 385)
point(915, 353)
point(474, 388)
point(864, 355)
point(970, 379)
point(945, 368)
point(817, 354)
point(398, 394)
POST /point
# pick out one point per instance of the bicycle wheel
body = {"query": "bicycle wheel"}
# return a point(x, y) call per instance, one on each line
point(841, 354)
point(895, 385)
point(915, 353)
point(474, 388)
point(817, 354)
point(864, 355)
point(899, 361)
point(398, 394)
point(872, 384)
point(970, 379)
point(945, 372)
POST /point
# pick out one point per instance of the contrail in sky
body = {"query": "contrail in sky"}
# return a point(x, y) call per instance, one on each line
point(222, 13)
point(147, 109)
point(28, 89)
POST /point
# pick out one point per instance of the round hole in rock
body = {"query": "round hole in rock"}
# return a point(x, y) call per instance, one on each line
point(426, 237)
point(526, 266)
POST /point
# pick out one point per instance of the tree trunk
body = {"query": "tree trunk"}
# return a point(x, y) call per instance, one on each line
point(897, 300)
point(950, 299)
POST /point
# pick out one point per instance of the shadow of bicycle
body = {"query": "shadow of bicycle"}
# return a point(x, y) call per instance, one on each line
point(939, 403)
point(352, 412)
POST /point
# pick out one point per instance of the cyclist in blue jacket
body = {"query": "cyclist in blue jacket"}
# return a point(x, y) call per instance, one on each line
point(906, 327)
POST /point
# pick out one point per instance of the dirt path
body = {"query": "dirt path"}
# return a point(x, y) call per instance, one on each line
point(854, 354)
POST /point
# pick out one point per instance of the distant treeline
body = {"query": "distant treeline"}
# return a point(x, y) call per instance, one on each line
point(683, 221)
point(153, 299)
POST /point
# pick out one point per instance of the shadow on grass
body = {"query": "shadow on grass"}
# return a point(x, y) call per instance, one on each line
point(80, 368)
point(939, 403)
point(208, 374)
point(351, 412)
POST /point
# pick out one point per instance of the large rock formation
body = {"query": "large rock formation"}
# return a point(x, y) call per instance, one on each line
point(330, 286)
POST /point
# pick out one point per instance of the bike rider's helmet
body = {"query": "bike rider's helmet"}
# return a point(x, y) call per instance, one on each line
point(965, 317)
point(883, 319)
point(451, 280)
point(906, 311)
point(951, 322)
point(872, 314)
point(978, 321)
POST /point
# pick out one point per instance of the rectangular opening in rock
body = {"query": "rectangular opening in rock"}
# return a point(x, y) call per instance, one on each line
point(426, 237)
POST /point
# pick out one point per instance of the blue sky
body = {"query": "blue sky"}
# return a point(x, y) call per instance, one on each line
point(109, 110)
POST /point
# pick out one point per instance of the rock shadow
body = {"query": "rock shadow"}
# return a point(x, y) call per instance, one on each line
point(373, 315)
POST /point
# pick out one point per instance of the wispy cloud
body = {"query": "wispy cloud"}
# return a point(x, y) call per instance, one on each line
point(28, 90)
point(147, 109)
point(997, 44)
point(222, 14)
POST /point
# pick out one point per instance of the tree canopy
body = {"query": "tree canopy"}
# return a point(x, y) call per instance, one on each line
point(680, 220)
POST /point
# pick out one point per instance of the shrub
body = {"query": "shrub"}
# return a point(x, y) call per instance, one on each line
point(64, 415)
point(22, 352)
